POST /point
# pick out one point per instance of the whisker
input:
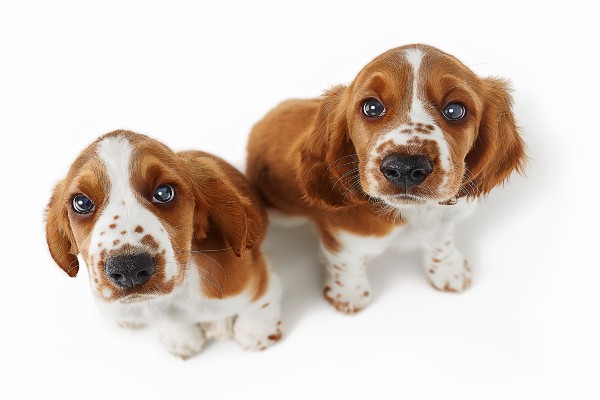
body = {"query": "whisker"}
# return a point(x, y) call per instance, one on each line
point(219, 265)
point(213, 284)
point(349, 163)
point(336, 160)
point(341, 177)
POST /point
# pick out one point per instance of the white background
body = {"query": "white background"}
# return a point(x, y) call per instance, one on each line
point(197, 77)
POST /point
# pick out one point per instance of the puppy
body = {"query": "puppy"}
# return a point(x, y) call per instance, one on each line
point(170, 239)
point(393, 159)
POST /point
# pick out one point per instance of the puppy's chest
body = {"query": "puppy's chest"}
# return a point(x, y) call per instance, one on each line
point(426, 225)
point(416, 231)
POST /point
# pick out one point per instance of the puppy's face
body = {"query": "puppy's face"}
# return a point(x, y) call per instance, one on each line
point(127, 206)
point(422, 128)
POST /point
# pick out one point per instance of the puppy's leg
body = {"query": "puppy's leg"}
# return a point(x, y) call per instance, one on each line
point(182, 339)
point(258, 325)
point(445, 266)
point(346, 285)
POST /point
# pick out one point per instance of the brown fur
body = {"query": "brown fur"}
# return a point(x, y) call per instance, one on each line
point(301, 154)
point(215, 210)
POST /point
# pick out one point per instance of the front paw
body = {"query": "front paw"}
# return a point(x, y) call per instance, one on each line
point(254, 335)
point(449, 275)
point(183, 341)
point(348, 296)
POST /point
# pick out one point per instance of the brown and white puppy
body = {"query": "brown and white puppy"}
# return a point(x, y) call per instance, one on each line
point(392, 159)
point(168, 239)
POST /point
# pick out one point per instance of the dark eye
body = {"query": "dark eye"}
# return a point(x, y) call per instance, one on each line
point(82, 204)
point(163, 194)
point(373, 108)
point(454, 111)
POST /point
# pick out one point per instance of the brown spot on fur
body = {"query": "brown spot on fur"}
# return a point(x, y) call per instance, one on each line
point(116, 217)
point(275, 337)
point(116, 242)
point(406, 130)
point(339, 283)
point(436, 260)
point(265, 305)
point(102, 233)
point(123, 232)
point(432, 271)
point(149, 241)
point(112, 226)
point(100, 244)
point(342, 306)
point(366, 293)
point(138, 229)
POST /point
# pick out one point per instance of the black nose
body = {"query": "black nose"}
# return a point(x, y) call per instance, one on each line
point(406, 171)
point(130, 270)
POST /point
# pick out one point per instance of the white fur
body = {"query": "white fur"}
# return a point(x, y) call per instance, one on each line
point(427, 227)
point(183, 315)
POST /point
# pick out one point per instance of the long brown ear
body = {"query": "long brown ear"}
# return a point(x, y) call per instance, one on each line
point(498, 149)
point(231, 212)
point(59, 235)
point(317, 162)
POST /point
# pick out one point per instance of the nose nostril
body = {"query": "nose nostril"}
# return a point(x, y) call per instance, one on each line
point(418, 174)
point(116, 277)
point(143, 274)
point(392, 172)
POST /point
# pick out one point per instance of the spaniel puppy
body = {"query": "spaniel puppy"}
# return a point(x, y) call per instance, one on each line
point(168, 239)
point(392, 159)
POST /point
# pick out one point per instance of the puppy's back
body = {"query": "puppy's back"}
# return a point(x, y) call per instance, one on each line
point(272, 146)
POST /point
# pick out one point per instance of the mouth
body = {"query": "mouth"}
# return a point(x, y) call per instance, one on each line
point(404, 199)
point(135, 298)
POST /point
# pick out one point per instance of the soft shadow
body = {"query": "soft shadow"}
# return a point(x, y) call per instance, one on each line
point(293, 255)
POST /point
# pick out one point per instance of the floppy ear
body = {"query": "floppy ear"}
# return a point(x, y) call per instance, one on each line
point(498, 149)
point(59, 235)
point(230, 211)
point(319, 177)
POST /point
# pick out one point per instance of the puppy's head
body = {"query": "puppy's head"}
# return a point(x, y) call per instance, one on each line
point(416, 126)
point(132, 208)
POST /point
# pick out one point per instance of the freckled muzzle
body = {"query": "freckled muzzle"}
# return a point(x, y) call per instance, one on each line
point(130, 270)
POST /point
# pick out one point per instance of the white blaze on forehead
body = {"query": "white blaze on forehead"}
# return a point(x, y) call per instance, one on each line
point(116, 153)
point(417, 110)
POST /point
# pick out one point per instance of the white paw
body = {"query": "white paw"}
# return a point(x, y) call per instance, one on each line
point(348, 294)
point(183, 341)
point(255, 335)
point(450, 275)
point(218, 330)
